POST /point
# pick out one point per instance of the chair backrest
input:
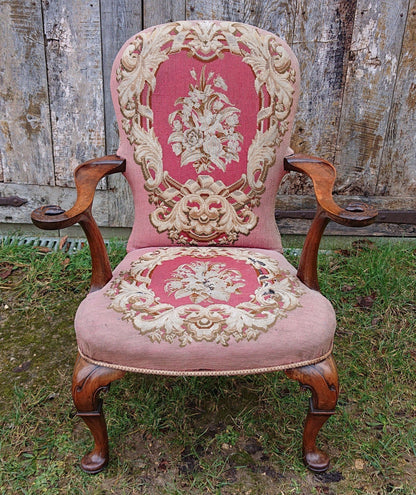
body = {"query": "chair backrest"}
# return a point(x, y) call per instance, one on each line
point(205, 111)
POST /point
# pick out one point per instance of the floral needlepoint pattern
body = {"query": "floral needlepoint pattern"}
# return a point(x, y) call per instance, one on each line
point(204, 129)
point(204, 281)
point(208, 283)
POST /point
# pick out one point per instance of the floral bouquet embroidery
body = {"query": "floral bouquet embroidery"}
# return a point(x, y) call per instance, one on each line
point(204, 130)
point(204, 281)
point(209, 284)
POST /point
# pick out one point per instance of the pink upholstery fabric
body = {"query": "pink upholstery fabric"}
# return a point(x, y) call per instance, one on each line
point(205, 110)
point(184, 310)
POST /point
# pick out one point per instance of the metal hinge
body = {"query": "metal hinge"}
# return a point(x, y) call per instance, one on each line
point(12, 201)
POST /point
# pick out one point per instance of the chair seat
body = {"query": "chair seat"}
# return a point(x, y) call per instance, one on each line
point(204, 311)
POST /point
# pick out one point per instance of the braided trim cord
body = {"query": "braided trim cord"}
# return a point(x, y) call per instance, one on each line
point(252, 371)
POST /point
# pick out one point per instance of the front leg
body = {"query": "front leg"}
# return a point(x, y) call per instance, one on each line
point(88, 381)
point(322, 380)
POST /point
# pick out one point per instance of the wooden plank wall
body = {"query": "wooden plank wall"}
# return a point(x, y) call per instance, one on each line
point(357, 109)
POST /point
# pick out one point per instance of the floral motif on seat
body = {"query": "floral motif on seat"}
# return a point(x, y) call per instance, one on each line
point(206, 131)
point(204, 281)
point(204, 294)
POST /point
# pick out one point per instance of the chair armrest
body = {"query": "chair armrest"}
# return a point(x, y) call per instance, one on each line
point(87, 175)
point(323, 176)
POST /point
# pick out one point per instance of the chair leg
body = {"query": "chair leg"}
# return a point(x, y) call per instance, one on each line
point(88, 381)
point(322, 380)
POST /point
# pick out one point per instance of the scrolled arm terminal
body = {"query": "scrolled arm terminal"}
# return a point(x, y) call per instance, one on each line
point(87, 175)
point(323, 175)
point(50, 217)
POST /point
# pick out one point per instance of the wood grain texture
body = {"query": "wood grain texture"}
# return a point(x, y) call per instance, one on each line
point(322, 380)
point(397, 174)
point(358, 103)
point(293, 202)
point(73, 50)
point(321, 41)
point(87, 383)
point(120, 19)
point(271, 15)
point(301, 227)
point(322, 174)
point(47, 195)
point(215, 9)
point(25, 137)
point(160, 11)
point(375, 51)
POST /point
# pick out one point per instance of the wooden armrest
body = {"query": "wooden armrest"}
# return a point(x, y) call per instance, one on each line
point(87, 175)
point(323, 176)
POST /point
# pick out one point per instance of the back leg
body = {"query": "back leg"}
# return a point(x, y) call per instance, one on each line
point(88, 381)
point(322, 380)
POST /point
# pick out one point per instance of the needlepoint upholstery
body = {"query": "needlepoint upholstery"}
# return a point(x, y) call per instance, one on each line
point(205, 111)
point(203, 310)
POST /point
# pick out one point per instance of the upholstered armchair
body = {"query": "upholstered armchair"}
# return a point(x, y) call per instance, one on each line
point(205, 111)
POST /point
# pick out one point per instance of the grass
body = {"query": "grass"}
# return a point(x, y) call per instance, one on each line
point(224, 435)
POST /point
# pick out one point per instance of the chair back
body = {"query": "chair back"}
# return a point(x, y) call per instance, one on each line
point(205, 111)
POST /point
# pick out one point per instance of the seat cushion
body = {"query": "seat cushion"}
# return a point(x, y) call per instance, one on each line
point(203, 311)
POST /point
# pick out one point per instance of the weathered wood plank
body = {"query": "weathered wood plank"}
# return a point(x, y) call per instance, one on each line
point(25, 138)
point(290, 226)
point(120, 19)
point(46, 195)
point(398, 163)
point(277, 16)
point(321, 41)
point(161, 11)
point(299, 202)
point(286, 202)
point(232, 10)
point(73, 49)
point(375, 51)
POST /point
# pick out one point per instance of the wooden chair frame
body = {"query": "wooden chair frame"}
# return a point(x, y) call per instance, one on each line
point(89, 379)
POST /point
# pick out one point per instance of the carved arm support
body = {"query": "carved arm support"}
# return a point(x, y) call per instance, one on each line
point(50, 217)
point(323, 176)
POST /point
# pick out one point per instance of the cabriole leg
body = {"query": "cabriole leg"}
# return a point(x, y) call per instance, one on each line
point(322, 380)
point(88, 381)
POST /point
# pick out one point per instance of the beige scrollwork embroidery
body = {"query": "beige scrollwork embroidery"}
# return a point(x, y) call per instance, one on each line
point(206, 41)
point(208, 281)
point(205, 209)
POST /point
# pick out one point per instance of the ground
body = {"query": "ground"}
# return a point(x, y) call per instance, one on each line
point(224, 435)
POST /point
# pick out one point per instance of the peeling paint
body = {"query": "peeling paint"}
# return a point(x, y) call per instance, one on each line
point(357, 105)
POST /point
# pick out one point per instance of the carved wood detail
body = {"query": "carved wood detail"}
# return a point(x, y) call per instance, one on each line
point(322, 380)
point(50, 217)
point(88, 381)
point(323, 176)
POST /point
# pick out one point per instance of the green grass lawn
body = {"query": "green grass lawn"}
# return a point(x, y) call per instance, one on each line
point(236, 435)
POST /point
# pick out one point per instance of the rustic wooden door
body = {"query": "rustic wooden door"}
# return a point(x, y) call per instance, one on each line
point(358, 67)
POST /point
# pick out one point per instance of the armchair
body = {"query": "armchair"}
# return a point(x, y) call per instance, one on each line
point(205, 110)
